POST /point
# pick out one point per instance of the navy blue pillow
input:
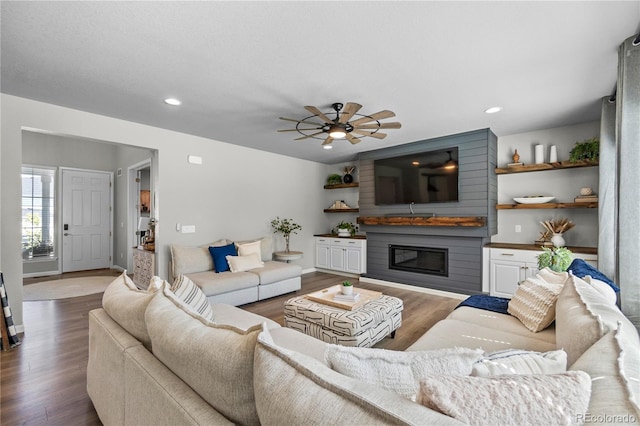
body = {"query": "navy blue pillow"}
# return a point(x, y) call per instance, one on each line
point(219, 255)
point(580, 268)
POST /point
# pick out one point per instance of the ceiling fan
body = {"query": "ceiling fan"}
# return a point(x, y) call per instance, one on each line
point(320, 126)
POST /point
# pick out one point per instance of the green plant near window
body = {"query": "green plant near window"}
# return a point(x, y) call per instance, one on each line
point(557, 258)
point(589, 150)
point(286, 227)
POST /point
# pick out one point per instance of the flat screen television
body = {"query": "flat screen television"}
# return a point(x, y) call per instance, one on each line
point(421, 178)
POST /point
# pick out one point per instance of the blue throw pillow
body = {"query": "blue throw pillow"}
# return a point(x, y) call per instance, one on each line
point(219, 255)
point(580, 268)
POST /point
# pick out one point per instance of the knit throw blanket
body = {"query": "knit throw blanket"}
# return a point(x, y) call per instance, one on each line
point(486, 302)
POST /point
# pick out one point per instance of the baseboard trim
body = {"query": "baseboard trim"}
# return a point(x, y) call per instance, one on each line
point(414, 288)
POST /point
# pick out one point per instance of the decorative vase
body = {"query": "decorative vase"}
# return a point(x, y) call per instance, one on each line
point(557, 240)
point(343, 232)
point(516, 156)
point(586, 191)
point(347, 178)
point(347, 290)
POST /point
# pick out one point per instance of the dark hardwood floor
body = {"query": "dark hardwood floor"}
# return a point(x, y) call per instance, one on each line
point(43, 381)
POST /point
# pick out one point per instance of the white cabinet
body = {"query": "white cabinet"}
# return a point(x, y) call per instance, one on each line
point(342, 254)
point(509, 267)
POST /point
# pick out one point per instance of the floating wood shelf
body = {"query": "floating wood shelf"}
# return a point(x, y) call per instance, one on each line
point(544, 166)
point(547, 206)
point(342, 185)
point(516, 246)
point(473, 221)
point(341, 210)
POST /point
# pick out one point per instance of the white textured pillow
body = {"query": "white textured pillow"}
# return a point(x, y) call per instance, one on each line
point(518, 361)
point(509, 400)
point(155, 284)
point(534, 303)
point(603, 288)
point(244, 263)
point(192, 296)
point(245, 249)
point(550, 276)
point(397, 371)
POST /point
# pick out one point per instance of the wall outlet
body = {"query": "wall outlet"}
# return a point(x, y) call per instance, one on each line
point(188, 229)
point(518, 228)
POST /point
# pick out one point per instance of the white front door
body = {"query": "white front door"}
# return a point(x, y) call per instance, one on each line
point(86, 220)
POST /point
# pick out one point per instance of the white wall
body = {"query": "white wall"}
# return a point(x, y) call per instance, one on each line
point(562, 184)
point(234, 194)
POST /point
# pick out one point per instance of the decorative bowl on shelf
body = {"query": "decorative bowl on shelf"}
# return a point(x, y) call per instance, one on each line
point(535, 199)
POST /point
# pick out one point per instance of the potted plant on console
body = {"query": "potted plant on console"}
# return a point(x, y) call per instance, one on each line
point(286, 227)
point(555, 258)
point(346, 229)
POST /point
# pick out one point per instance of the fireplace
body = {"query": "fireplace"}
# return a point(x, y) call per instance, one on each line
point(424, 260)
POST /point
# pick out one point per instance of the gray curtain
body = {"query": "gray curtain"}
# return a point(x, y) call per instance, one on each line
point(628, 140)
point(608, 192)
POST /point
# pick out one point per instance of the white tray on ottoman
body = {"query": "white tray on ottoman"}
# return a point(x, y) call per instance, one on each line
point(364, 326)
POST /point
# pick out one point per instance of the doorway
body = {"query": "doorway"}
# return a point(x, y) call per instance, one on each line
point(140, 205)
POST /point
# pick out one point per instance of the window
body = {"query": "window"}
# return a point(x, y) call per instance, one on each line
point(38, 212)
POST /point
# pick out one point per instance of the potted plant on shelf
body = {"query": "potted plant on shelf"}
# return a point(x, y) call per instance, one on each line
point(555, 258)
point(286, 227)
point(347, 288)
point(587, 150)
point(334, 179)
point(346, 229)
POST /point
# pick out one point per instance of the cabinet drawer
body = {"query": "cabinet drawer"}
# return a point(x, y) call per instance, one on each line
point(345, 242)
point(322, 240)
point(515, 255)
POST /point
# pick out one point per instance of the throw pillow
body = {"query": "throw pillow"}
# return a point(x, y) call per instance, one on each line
point(246, 249)
point(534, 303)
point(581, 269)
point(192, 296)
point(155, 284)
point(396, 371)
point(244, 263)
point(219, 255)
point(509, 400)
point(518, 361)
point(550, 276)
point(603, 288)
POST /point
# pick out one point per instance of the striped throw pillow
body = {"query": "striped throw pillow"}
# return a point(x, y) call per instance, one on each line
point(187, 291)
point(534, 303)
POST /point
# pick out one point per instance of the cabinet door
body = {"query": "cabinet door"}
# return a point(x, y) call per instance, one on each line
point(322, 256)
point(505, 277)
point(353, 258)
point(531, 270)
point(337, 258)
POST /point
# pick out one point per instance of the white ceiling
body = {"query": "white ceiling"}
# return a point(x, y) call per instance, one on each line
point(238, 66)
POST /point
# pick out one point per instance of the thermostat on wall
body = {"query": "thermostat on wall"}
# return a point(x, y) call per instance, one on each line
point(194, 159)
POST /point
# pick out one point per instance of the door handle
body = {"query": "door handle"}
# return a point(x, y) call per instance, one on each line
point(66, 234)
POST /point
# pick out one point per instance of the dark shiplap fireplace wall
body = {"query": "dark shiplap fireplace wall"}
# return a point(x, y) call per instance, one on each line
point(477, 197)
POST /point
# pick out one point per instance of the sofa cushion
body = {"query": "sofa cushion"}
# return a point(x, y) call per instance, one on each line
point(509, 400)
point(582, 318)
point(219, 255)
point(534, 303)
point(244, 263)
point(397, 371)
point(502, 322)
point(518, 361)
point(608, 294)
point(215, 360)
point(188, 292)
point(212, 283)
point(614, 366)
point(274, 271)
point(127, 305)
point(244, 320)
point(449, 333)
point(327, 397)
point(186, 260)
point(580, 268)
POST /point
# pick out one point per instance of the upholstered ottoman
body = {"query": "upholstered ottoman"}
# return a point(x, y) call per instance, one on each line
point(364, 326)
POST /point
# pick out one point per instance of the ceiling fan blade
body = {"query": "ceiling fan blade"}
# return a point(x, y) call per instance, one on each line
point(348, 111)
point(377, 116)
point(392, 125)
point(352, 139)
point(301, 130)
point(315, 111)
point(327, 141)
point(376, 135)
point(301, 121)
point(307, 136)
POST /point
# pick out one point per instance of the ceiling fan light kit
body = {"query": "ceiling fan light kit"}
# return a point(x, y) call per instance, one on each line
point(341, 127)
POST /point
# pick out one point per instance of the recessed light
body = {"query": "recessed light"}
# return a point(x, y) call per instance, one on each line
point(328, 147)
point(493, 110)
point(172, 101)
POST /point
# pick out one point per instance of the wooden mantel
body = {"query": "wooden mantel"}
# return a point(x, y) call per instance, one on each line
point(451, 221)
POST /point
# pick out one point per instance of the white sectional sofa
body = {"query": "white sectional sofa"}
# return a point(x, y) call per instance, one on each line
point(235, 288)
point(154, 361)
